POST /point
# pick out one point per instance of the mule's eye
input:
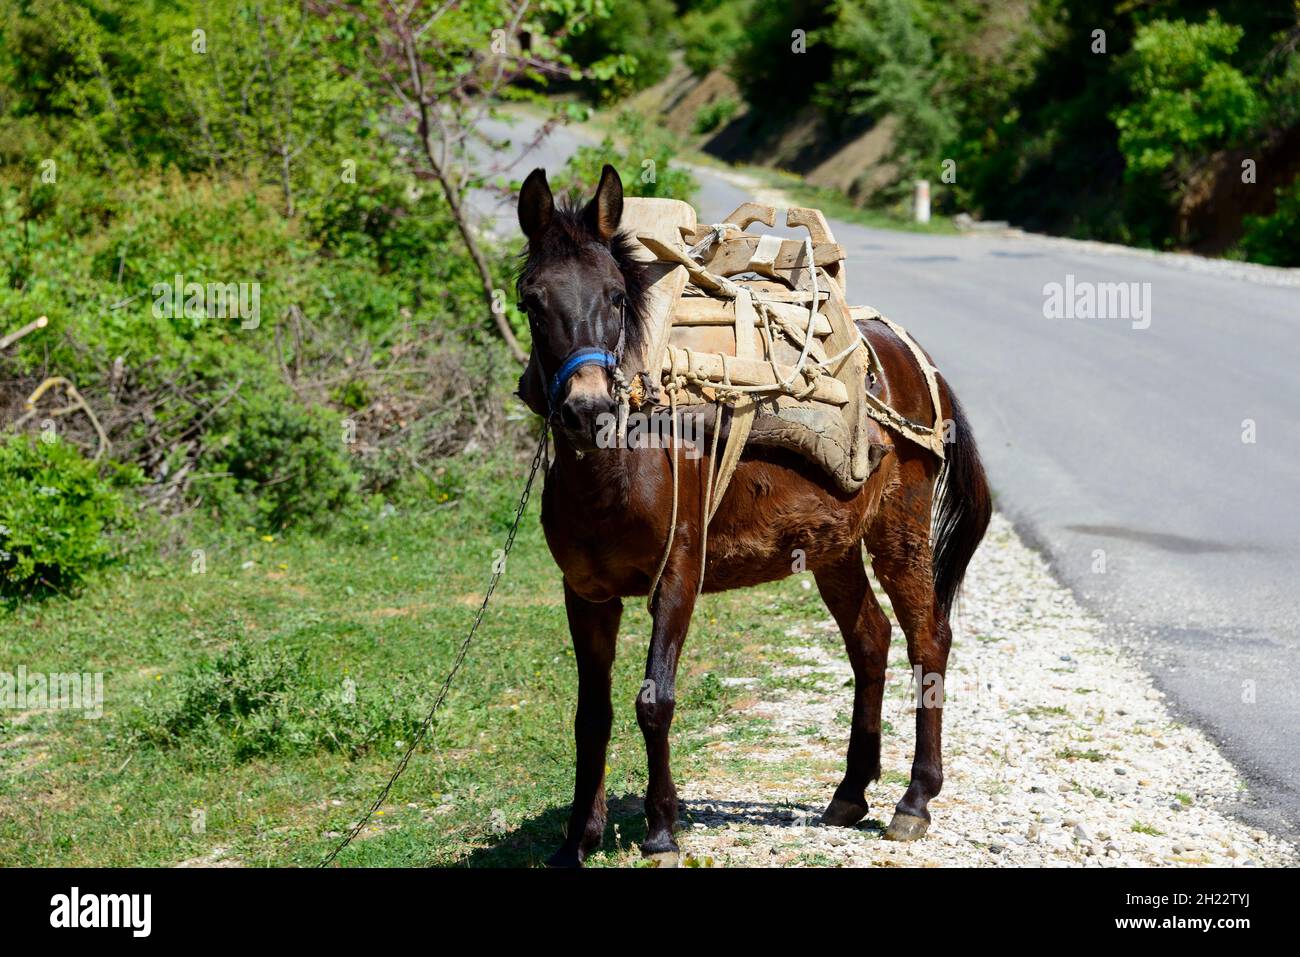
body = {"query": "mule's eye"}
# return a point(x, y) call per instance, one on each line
point(619, 300)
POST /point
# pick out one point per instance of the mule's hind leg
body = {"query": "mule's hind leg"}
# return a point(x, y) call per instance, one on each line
point(900, 553)
point(594, 628)
point(847, 593)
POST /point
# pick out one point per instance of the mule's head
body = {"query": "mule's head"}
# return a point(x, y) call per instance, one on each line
point(582, 290)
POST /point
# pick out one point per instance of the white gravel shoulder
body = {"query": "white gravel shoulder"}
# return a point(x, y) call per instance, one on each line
point(1058, 750)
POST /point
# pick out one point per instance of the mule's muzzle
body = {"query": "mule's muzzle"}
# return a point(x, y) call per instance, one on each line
point(585, 403)
point(579, 393)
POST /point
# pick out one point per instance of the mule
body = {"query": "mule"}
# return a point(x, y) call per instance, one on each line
point(606, 514)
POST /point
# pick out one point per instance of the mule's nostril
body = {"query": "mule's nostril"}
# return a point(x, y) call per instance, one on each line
point(569, 416)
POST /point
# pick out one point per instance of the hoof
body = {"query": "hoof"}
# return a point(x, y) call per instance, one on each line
point(906, 827)
point(663, 851)
point(565, 857)
point(842, 813)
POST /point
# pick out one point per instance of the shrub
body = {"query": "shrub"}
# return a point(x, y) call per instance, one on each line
point(1271, 239)
point(715, 114)
point(711, 32)
point(627, 49)
point(164, 168)
point(887, 63)
point(766, 67)
point(272, 463)
point(356, 327)
point(256, 699)
point(56, 515)
point(1188, 98)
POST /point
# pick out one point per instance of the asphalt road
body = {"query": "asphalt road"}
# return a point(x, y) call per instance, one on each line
point(1118, 450)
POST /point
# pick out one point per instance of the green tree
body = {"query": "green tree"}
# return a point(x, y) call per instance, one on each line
point(886, 63)
point(780, 59)
point(711, 32)
point(628, 50)
point(1189, 99)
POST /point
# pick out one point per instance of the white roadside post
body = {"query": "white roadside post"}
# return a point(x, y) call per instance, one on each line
point(922, 200)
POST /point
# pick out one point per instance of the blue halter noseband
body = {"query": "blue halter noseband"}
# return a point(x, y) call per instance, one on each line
point(583, 357)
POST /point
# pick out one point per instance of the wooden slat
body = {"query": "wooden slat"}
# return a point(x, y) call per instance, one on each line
point(795, 318)
point(722, 339)
point(755, 372)
point(742, 217)
point(675, 254)
point(774, 292)
point(733, 256)
point(811, 219)
point(706, 311)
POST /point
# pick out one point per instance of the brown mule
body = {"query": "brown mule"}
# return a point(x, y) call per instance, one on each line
point(606, 514)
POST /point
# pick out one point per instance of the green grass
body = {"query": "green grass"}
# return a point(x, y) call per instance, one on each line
point(1043, 711)
point(1070, 754)
point(381, 602)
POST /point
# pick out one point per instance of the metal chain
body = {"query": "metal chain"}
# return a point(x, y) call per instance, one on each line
point(498, 569)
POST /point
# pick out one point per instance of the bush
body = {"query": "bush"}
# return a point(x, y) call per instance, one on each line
point(715, 114)
point(273, 463)
point(355, 327)
point(710, 34)
point(364, 286)
point(57, 515)
point(1272, 239)
point(626, 50)
point(1188, 98)
point(256, 699)
point(765, 65)
point(887, 63)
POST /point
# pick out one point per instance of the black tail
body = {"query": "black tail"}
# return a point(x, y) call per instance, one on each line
point(962, 510)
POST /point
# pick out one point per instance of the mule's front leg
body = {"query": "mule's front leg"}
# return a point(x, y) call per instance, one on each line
point(655, 704)
point(594, 627)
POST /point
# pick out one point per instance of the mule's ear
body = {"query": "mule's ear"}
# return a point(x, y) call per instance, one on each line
point(606, 207)
point(536, 205)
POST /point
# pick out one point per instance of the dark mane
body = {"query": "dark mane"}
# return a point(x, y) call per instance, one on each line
point(568, 237)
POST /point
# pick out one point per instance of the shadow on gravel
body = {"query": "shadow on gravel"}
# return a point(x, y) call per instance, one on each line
point(714, 814)
point(537, 837)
